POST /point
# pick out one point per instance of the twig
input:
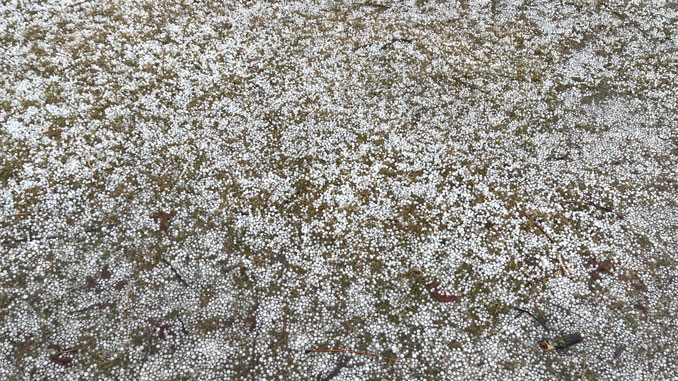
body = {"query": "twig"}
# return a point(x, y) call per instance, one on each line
point(67, 350)
point(183, 327)
point(394, 40)
point(78, 3)
point(564, 308)
point(350, 351)
point(539, 227)
point(593, 204)
point(341, 364)
point(174, 270)
point(542, 322)
point(98, 205)
point(373, 5)
point(286, 339)
point(254, 344)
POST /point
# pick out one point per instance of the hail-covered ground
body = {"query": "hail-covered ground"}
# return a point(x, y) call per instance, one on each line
point(204, 190)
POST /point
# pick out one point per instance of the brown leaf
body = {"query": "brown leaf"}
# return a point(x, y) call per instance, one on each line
point(595, 275)
point(617, 352)
point(91, 283)
point(433, 288)
point(164, 218)
point(65, 361)
point(604, 266)
point(53, 133)
point(120, 285)
point(252, 321)
point(640, 286)
point(640, 307)
point(105, 273)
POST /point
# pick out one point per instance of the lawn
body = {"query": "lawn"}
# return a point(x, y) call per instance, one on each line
point(334, 190)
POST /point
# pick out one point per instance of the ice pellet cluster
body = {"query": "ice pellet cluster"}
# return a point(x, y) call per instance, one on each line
point(338, 190)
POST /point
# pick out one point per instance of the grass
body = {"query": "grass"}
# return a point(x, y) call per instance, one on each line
point(373, 171)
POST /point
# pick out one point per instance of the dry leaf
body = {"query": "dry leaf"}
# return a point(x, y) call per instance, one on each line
point(164, 218)
point(91, 283)
point(640, 307)
point(53, 133)
point(604, 266)
point(105, 274)
point(120, 285)
point(595, 275)
point(640, 286)
point(433, 288)
point(65, 361)
point(617, 352)
point(252, 321)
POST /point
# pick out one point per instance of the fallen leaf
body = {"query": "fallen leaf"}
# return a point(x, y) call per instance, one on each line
point(120, 285)
point(604, 266)
point(640, 286)
point(617, 352)
point(53, 133)
point(252, 321)
point(91, 283)
point(164, 218)
point(280, 258)
point(433, 288)
point(65, 361)
point(105, 273)
point(640, 307)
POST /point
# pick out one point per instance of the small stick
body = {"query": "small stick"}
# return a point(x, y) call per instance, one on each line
point(540, 228)
point(394, 40)
point(350, 351)
point(593, 204)
point(341, 364)
point(540, 321)
point(564, 308)
point(96, 202)
point(285, 338)
point(254, 343)
point(98, 205)
point(91, 168)
point(175, 272)
point(183, 327)
point(66, 351)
